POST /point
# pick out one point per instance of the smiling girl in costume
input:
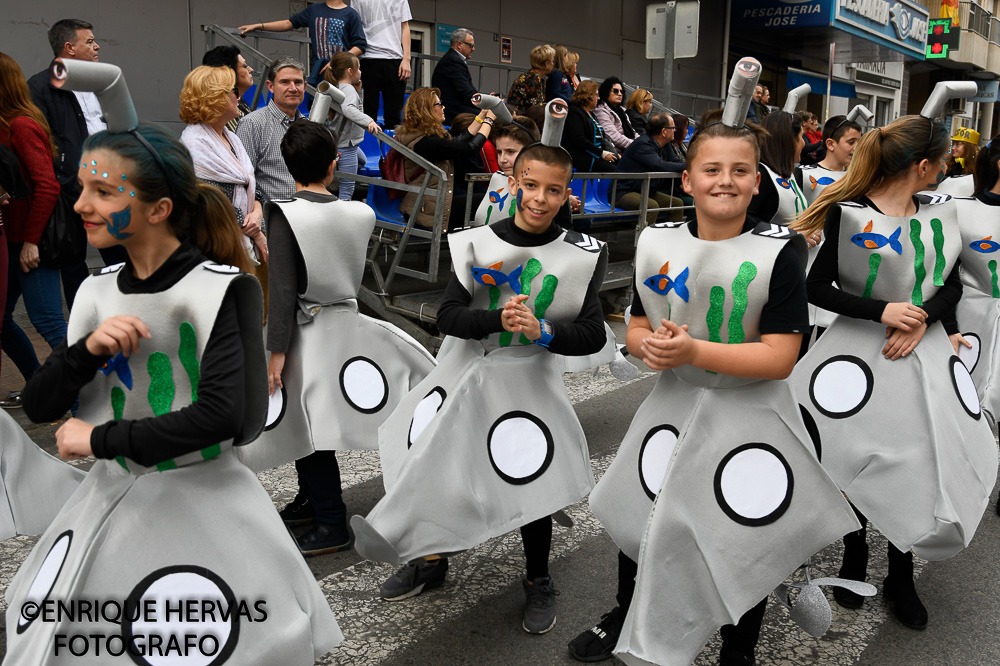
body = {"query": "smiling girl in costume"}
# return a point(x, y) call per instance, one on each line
point(897, 412)
point(166, 356)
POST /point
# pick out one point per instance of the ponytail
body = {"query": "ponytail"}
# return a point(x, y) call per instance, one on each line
point(216, 232)
point(881, 156)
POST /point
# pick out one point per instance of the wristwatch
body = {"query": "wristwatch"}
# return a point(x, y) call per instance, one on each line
point(548, 332)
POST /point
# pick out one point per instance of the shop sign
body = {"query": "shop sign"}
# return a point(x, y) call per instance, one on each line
point(875, 72)
point(986, 92)
point(942, 37)
point(901, 23)
point(771, 14)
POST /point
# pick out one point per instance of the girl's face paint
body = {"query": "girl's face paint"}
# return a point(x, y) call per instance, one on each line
point(119, 222)
point(106, 207)
point(518, 198)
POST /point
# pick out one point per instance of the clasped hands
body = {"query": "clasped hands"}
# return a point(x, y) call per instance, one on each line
point(668, 347)
point(517, 317)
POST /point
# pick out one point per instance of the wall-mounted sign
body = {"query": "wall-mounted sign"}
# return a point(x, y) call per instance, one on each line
point(987, 92)
point(902, 23)
point(877, 73)
point(506, 49)
point(942, 37)
point(444, 36)
point(770, 14)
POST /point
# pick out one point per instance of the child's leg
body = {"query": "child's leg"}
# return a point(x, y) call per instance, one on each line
point(539, 592)
point(598, 643)
point(899, 590)
point(348, 164)
point(628, 569)
point(537, 539)
point(855, 563)
point(320, 475)
point(739, 641)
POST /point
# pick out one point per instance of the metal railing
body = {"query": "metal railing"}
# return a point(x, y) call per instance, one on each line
point(995, 30)
point(974, 18)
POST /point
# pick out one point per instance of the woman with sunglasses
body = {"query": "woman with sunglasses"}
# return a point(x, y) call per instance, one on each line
point(611, 114)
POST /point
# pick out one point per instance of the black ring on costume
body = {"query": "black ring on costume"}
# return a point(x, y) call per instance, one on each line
point(979, 352)
point(813, 431)
point(21, 628)
point(281, 414)
point(778, 511)
point(870, 386)
point(550, 448)
point(134, 600)
point(952, 362)
point(444, 395)
point(651, 493)
point(385, 385)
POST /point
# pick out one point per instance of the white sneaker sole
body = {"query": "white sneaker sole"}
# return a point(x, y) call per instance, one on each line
point(406, 595)
point(539, 633)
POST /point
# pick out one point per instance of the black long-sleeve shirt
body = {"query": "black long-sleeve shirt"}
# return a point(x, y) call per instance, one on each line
point(826, 270)
point(438, 148)
point(216, 416)
point(585, 335)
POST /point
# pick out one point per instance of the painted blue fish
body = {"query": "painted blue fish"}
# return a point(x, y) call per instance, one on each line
point(663, 283)
point(784, 183)
point(119, 222)
point(491, 276)
point(822, 180)
point(985, 245)
point(119, 365)
point(495, 197)
point(873, 241)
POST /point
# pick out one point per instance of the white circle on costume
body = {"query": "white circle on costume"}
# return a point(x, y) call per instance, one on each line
point(364, 385)
point(654, 457)
point(45, 578)
point(841, 386)
point(172, 588)
point(424, 412)
point(754, 484)
point(970, 356)
point(965, 387)
point(628, 315)
point(520, 447)
point(275, 408)
point(222, 268)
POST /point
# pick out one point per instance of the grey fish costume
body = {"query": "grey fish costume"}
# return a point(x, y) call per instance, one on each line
point(130, 532)
point(33, 485)
point(791, 202)
point(498, 204)
point(956, 186)
point(979, 310)
point(926, 493)
point(735, 504)
point(489, 440)
point(813, 179)
point(344, 372)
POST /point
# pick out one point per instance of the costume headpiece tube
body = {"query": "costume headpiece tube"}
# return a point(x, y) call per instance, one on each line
point(741, 88)
point(103, 79)
point(794, 95)
point(494, 104)
point(860, 112)
point(555, 118)
point(944, 91)
point(326, 95)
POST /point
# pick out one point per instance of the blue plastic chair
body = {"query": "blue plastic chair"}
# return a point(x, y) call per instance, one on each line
point(386, 209)
point(373, 150)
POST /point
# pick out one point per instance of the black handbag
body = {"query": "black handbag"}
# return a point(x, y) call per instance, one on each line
point(64, 242)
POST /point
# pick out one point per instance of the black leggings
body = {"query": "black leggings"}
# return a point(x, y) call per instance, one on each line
point(537, 539)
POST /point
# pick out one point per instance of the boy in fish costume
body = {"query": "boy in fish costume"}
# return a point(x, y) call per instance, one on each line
point(334, 374)
point(489, 441)
point(717, 456)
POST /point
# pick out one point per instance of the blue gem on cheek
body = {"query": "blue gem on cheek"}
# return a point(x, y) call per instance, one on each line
point(93, 162)
point(124, 177)
point(93, 171)
point(104, 175)
point(121, 188)
point(131, 194)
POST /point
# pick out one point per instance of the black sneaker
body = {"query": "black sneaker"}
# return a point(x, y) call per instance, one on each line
point(414, 578)
point(598, 643)
point(539, 605)
point(729, 656)
point(323, 540)
point(298, 512)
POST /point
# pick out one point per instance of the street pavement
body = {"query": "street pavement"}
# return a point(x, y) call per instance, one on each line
point(475, 618)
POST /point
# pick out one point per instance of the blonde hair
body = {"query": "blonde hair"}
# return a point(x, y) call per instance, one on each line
point(540, 55)
point(638, 98)
point(568, 61)
point(418, 114)
point(881, 156)
point(204, 96)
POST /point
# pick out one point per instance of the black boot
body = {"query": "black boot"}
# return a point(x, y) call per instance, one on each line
point(854, 567)
point(899, 591)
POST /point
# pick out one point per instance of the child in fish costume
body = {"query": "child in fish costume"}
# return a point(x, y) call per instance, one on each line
point(335, 374)
point(902, 430)
point(717, 456)
point(489, 441)
point(167, 513)
point(779, 199)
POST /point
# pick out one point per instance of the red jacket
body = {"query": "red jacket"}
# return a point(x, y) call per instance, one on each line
point(24, 220)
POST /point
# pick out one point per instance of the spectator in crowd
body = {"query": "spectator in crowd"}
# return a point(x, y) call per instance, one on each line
point(333, 27)
point(811, 126)
point(451, 76)
point(760, 103)
point(229, 56)
point(558, 83)
point(261, 131)
point(423, 132)
point(568, 67)
point(24, 130)
point(345, 73)
point(583, 136)
point(678, 148)
point(639, 105)
point(814, 149)
point(529, 88)
point(643, 155)
point(765, 99)
point(208, 104)
point(778, 199)
point(752, 115)
point(387, 58)
point(72, 117)
point(964, 153)
point(610, 113)
point(537, 115)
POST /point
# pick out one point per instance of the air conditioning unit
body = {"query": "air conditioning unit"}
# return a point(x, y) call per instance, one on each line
point(956, 107)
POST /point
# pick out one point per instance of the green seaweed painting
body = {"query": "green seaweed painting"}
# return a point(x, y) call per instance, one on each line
point(717, 303)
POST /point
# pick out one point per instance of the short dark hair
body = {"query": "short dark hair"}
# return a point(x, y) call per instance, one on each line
point(836, 127)
point(65, 31)
point(523, 130)
point(606, 85)
point(658, 123)
point(308, 149)
point(556, 156)
point(280, 63)
point(222, 56)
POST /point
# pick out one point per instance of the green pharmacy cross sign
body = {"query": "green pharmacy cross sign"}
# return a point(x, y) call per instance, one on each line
point(941, 38)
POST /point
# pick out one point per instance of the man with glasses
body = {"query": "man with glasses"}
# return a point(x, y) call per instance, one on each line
point(643, 156)
point(452, 77)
